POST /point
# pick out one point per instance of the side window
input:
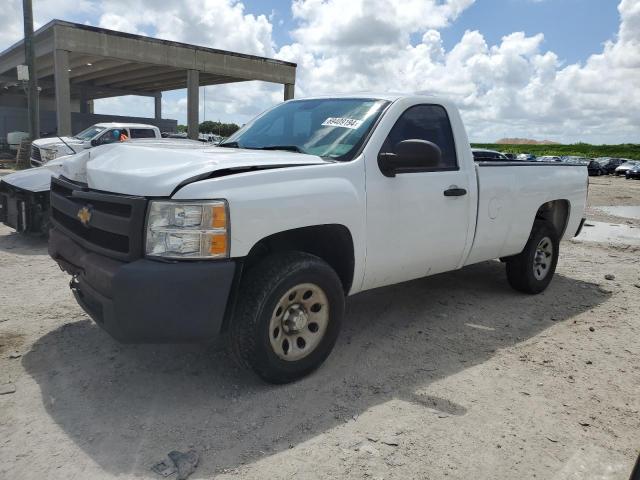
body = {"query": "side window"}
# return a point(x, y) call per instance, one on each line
point(110, 136)
point(142, 133)
point(425, 122)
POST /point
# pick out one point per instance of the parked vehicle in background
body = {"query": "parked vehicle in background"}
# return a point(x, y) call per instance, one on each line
point(24, 198)
point(611, 164)
point(595, 169)
point(310, 189)
point(484, 154)
point(46, 149)
point(210, 138)
point(526, 157)
point(548, 158)
point(627, 165)
point(14, 139)
point(576, 160)
point(174, 135)
point(633, 172)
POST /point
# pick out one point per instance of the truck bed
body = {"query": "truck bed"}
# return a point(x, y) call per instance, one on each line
point(510, 193)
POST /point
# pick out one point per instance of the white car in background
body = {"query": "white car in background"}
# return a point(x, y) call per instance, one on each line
point(628, 165)
point(44, 150)
point(576, 160)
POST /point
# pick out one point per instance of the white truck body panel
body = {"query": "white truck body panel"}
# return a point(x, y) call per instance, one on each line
point(509, 200)
point(263, 203)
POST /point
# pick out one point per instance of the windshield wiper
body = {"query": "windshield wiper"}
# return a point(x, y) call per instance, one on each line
point(290, 148)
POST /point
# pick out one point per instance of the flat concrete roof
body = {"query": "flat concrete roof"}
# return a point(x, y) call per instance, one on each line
point(106, 63)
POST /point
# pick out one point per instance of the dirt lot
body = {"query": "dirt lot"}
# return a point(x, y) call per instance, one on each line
point(452, 376)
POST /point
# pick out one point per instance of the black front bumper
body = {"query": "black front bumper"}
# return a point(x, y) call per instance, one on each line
point(147, 301)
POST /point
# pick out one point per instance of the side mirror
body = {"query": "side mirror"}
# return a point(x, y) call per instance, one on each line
point(95, 142)
point(409, 155)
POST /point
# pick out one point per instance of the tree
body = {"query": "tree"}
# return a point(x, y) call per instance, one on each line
point(218, 128)
point(181, 128)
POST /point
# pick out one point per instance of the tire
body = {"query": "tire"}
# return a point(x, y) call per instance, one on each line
point(288, 316)
point(524, 271)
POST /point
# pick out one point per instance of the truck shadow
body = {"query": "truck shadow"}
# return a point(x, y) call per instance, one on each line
point(22, 244)
point(126, 406)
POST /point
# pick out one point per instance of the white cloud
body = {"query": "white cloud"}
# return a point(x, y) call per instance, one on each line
point(510, 89)
point(513, 88)
point(221, 24)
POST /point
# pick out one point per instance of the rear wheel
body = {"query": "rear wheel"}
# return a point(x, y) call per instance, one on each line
point(288, 316)
point(531, 271)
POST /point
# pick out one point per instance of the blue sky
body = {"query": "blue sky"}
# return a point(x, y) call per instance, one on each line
point(574, 29)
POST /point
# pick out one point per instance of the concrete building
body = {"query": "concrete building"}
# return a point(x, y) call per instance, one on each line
point(77, 64)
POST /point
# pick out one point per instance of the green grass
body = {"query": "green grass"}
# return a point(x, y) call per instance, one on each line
point(627, 150)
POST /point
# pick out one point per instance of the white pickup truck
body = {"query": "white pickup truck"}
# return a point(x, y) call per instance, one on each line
point(264, 236)
point(46, 149)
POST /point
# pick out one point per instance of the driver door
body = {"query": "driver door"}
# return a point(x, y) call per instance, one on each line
point(415, 226)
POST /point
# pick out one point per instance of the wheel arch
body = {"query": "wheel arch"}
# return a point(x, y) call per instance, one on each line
point(333, 243)
point(556, 212)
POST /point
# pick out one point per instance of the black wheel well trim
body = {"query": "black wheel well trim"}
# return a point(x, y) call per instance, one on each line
point(332, 242)
point(557, 212)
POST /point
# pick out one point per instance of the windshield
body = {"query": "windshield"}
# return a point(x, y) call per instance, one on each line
point(332, 127)
point(89, 133)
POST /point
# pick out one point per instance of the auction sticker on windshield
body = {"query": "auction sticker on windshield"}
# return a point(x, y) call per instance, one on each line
point(342, 122)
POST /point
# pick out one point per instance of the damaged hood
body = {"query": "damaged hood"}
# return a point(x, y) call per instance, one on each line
point(156, 168)
point(36, 179)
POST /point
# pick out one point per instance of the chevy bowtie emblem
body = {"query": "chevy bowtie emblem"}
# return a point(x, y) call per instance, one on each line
point(84, 215)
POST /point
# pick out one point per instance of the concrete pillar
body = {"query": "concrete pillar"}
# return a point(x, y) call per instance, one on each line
point(84, 103)
point(289, 89)
point(158, 105)
point(193, 90)
point(63, 91)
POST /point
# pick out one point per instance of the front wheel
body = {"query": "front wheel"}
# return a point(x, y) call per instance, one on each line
point(288, 316)
point(531, 271)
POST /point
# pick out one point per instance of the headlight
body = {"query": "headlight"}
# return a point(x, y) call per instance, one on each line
point(48, 154)
point(188, 229)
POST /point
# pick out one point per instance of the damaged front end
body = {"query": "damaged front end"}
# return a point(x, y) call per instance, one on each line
point(23, 210)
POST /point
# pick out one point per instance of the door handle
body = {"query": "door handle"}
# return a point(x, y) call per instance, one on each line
point(454, 192)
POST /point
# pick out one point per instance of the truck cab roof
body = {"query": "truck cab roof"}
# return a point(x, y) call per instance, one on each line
point(388, 96)
point(129, 125)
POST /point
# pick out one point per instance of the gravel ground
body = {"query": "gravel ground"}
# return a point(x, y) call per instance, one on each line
point(452, 376)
